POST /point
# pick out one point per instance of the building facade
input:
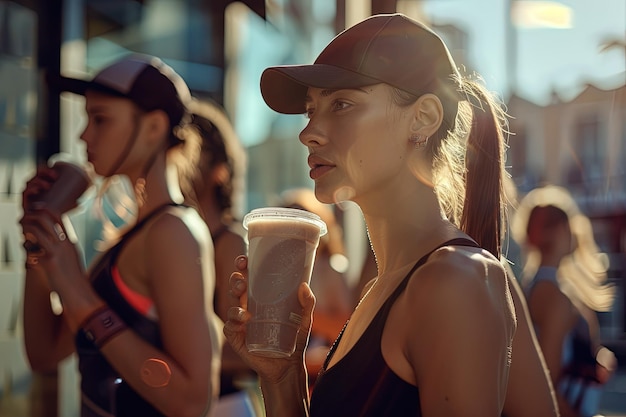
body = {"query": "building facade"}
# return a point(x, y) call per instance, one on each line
point(580, 144)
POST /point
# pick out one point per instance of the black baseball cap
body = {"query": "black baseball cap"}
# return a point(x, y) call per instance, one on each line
point(145, 80)
point(385, 48)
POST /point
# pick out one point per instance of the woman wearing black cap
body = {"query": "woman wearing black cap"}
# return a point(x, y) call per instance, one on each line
point(394, 127)
point(141, 319)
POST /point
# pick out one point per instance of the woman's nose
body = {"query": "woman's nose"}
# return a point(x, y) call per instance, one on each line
point(83, 136)
point(312, 135)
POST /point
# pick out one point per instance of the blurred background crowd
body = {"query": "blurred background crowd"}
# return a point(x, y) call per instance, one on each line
point(559, 66)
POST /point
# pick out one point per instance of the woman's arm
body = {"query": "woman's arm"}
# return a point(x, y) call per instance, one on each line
point(284, 381)
point(173, 260)
point(288, 396)
point(176, 380)
point(554, 317)
point(530, 391)
point(47, 338)
point(459, 335)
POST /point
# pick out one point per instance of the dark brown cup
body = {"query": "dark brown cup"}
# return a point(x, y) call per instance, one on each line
point(71, 183)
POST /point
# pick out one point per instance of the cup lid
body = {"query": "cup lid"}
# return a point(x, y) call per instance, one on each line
point(283, 213)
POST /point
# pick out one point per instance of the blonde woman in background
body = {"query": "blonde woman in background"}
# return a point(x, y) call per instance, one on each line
point(564, 280)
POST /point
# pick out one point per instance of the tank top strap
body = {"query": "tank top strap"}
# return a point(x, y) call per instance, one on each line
point(140, 224)
point(111, 254)
point(461, 241)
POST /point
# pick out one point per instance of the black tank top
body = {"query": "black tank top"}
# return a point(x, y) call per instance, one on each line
point(361, 383)
point(103, 390)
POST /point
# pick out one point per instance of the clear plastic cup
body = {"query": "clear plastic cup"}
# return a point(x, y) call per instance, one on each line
point(282, 247)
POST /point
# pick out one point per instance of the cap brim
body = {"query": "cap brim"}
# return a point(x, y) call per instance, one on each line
point(78, 86)
point(284, 88)
point(72, 85)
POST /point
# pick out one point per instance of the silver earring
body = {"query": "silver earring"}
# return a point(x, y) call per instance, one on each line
point(419, 141)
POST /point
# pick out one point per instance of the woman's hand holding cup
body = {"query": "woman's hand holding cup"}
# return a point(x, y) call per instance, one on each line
point(52, 192)
point(269, 369)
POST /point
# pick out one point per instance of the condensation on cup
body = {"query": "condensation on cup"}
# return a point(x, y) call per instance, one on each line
point(282, 247)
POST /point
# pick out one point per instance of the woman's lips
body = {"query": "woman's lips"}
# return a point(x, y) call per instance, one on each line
point(319, 170)
point(319, 166)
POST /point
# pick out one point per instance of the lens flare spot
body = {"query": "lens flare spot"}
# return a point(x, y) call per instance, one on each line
point(155, 373)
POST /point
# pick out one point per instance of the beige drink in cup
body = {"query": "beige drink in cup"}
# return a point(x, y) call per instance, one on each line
point(282, 246)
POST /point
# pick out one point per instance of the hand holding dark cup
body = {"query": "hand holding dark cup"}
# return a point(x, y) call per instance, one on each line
point(55, 189)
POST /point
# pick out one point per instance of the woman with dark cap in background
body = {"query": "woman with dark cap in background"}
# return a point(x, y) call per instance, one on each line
point(141, 318)
point(395, 128)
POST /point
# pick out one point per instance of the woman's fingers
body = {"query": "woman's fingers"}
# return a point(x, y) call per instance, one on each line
point(238, 282)
point(241, 262)
point(237, 316)
point(37, 229)
point(38, 185)
point(307, 300)
point(43, 231)
point(235, 329)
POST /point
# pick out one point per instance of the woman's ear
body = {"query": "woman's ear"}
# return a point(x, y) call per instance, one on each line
point(157, 124)
point(428, 115)
point(220, 173)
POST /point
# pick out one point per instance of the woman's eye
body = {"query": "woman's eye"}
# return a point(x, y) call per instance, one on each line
point(97, 120)
point(340, 105)
point(335, 105)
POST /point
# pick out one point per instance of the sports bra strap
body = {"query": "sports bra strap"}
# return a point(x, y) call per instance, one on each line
point(461, 241)
point(145, 220)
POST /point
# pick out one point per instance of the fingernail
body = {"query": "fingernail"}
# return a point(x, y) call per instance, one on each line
point(239, 285)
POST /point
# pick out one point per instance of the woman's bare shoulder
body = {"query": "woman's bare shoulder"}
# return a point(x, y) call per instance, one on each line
point(461, 319)
point(461, 267)
point(466, 285)
point(176, 231)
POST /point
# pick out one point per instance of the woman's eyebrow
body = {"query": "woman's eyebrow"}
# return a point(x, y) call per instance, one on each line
point(323, 93)
point(96, 108)
point(328, 91)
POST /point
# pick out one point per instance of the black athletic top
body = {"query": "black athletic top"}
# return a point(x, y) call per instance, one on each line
point(103, 390)
point(361, 383)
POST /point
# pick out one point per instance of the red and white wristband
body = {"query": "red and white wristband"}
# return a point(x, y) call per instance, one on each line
point(102, 325)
